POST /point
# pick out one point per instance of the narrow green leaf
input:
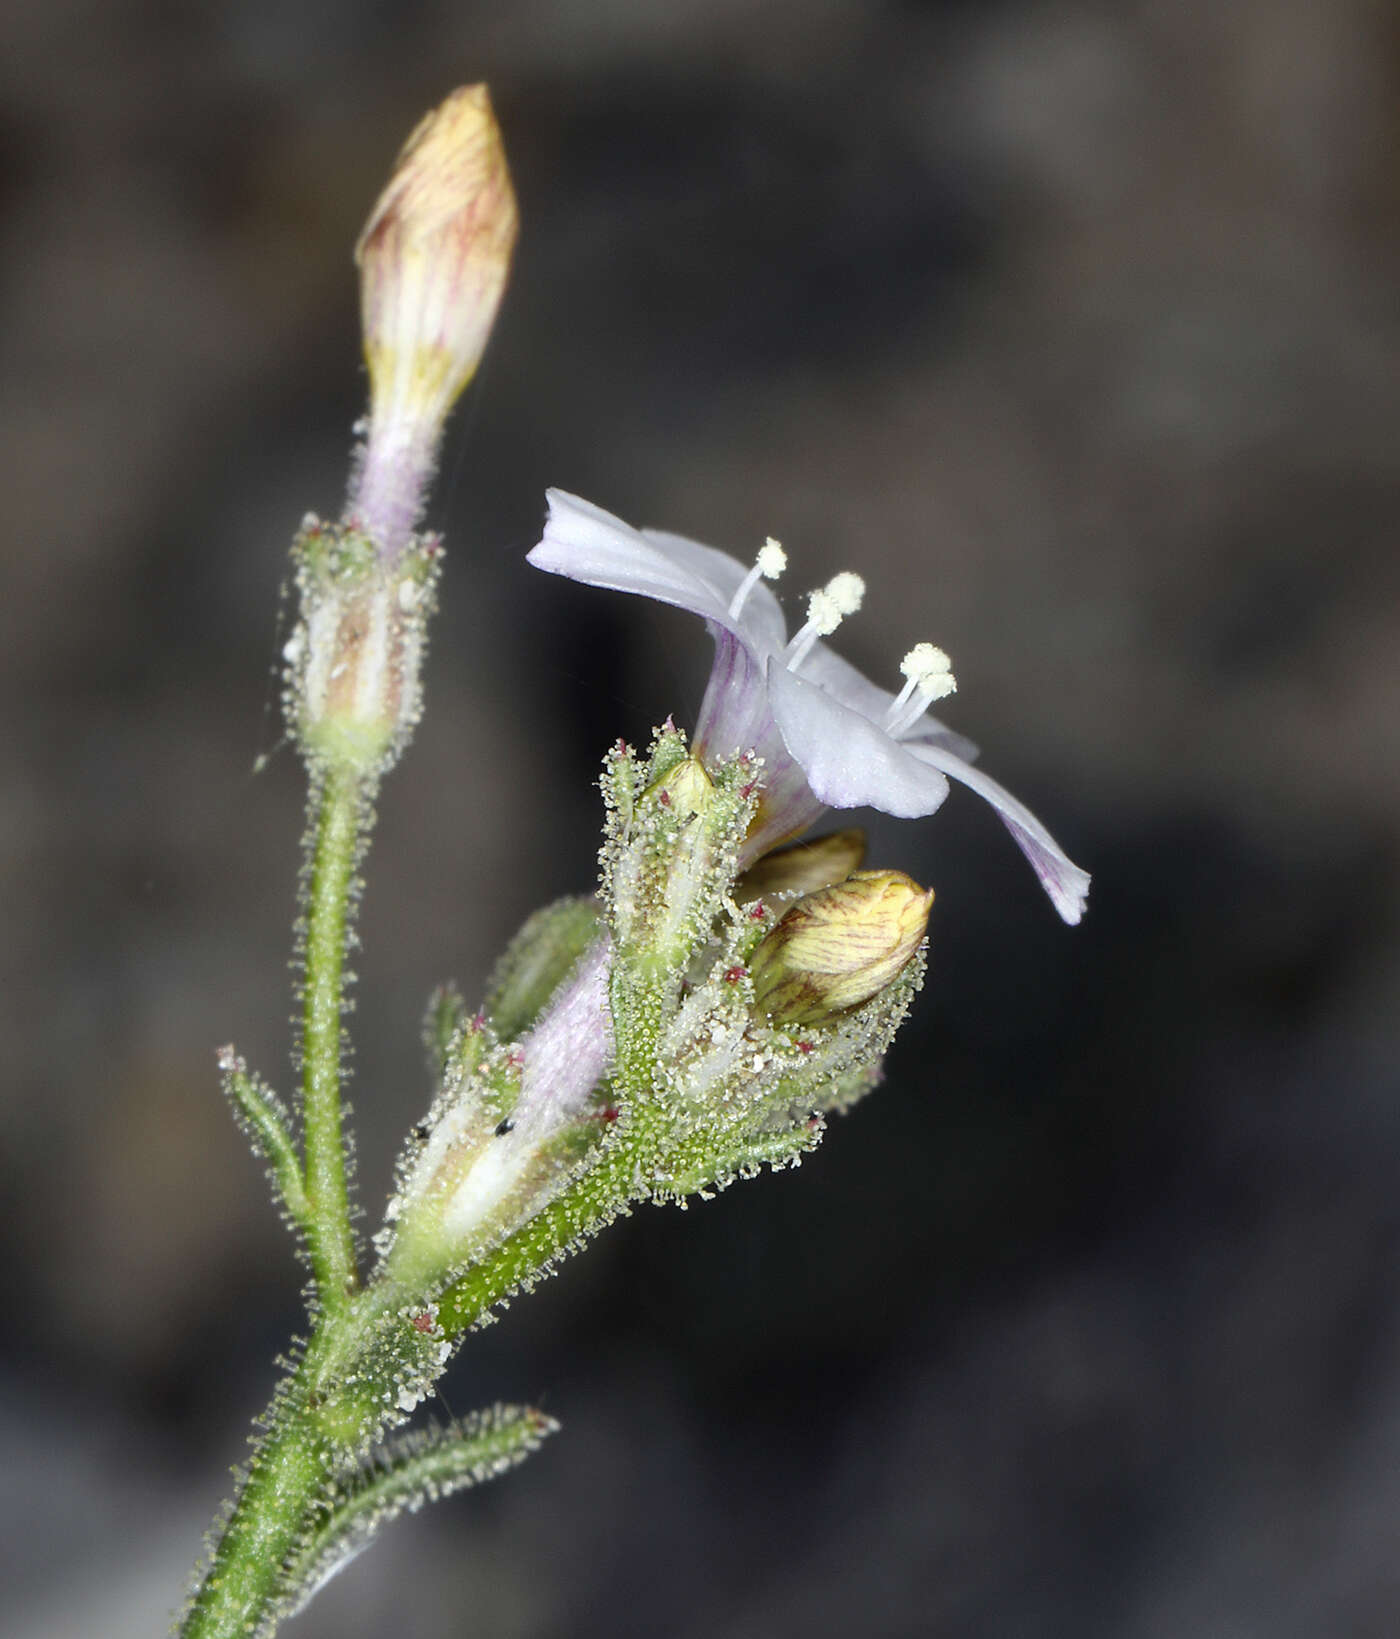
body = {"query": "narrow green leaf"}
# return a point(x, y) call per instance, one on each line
point(266, 1122)
point(415, 1469)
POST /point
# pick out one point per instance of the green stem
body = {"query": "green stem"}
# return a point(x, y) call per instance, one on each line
point(289, 1471)
point(339, 826)
point(332, 1404)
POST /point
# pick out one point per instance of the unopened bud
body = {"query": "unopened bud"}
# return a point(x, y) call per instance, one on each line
point(671, 861)
point(433, 261)
point(803, 867)
point(840, 946)
point(674, 828)
point(685, 791)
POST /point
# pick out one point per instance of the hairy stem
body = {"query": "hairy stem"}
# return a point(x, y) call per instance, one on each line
point(237, 1596)
point(339, 824)
point(332, 1406)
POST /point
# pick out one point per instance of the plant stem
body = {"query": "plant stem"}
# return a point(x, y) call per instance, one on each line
point(331, 1404)
point(236, 1595)
point(339, 824)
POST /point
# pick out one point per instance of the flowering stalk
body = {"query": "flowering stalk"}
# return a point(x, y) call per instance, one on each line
point(698, 1019)
point(338, 833)
point(433, 261)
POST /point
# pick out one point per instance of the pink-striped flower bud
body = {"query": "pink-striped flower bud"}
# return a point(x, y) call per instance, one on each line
point(840, 946)
point(433, 262)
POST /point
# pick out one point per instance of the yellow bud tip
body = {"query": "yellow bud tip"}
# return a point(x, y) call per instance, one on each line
point(840, 947)
point(685, 789)
point(450, 178)
point(434, 257)
point(803, 867)
point(433, 262)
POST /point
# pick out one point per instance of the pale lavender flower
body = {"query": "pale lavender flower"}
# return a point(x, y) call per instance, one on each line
point(828, 736)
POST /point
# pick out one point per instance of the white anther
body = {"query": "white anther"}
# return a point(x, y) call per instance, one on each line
point(824, 615)
point(847, 590)
point(928, 668)
point(929, 674)
point(772, 560)
point(826, 609)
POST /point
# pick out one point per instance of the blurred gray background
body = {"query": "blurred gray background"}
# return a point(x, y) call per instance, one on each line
point(1074, 328)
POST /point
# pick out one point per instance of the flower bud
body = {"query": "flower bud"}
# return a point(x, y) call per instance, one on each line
point(685, 790)
point(665, 875)
point(509, 1123)
point(433, 261)
point(839, 947)
point(803, 867)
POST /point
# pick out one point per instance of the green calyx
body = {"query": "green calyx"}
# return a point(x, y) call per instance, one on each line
point(352, 678)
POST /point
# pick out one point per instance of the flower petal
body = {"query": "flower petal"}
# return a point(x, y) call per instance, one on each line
point(1062, 879)
point(761, 620)
point(584, 543)
point(853, 688)
point(849, 761)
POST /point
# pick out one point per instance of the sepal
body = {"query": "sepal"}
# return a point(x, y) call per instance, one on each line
point(445, 1016)
point(511, 1127)
point(352, 689)
point(743, 1092)
point(671, 849)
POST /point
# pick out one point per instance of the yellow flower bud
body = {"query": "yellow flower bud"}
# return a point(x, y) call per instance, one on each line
point(685, 789)
point(840, 946)
point(803, 867)
point(433, 261)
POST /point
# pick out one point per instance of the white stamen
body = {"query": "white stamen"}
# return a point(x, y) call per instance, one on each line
point(772, 560)
point(841, 596)
point(928, 667)
point(848, 589)
point(929, 674)
point(824, 613)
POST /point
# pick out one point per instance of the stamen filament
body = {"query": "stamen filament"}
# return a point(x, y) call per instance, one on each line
point(772, 560)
